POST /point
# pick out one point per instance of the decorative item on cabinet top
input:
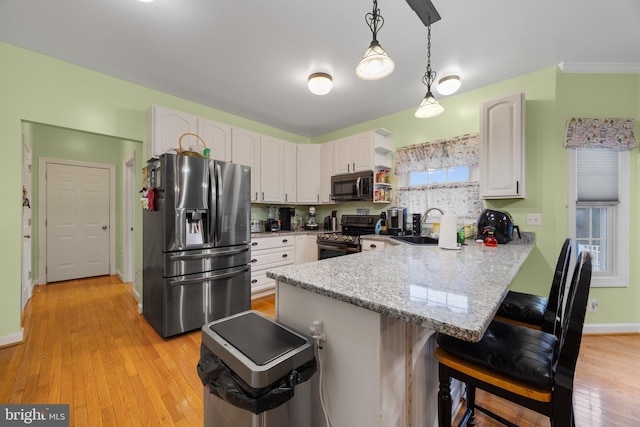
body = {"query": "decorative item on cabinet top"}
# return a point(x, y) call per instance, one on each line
point(191, 151)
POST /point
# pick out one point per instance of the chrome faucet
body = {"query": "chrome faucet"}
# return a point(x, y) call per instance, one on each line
point(424, 216)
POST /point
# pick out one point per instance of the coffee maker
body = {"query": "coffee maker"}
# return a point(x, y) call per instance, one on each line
point(396, 221)
point(287, 216)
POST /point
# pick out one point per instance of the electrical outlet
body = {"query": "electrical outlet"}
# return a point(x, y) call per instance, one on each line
point(534, 219)
point(593, 305)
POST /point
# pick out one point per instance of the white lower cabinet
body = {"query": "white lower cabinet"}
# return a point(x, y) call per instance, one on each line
point(269, 252)
point(306, 248)
point(369, 245)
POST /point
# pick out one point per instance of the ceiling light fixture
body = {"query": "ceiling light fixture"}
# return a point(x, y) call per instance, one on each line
point(376, 63)
point(320, 83)
point(449, 85)
point(429, 107)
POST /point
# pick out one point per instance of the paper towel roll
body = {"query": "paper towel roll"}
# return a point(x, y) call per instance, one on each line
point(448, 232)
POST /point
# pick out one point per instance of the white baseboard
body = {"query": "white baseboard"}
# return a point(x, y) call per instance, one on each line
point(611, 328)
point(12, 339)
point(120, 276)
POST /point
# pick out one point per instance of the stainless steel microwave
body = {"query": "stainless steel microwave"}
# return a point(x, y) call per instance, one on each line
point(352, 186)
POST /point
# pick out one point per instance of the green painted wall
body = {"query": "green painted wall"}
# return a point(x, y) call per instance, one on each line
point(38, 89)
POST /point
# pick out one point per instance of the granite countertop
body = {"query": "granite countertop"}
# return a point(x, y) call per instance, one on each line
point(456, 292)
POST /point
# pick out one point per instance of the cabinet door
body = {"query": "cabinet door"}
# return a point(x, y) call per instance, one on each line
point(362, 152)
point(502, 148)
point(308, 173)
point(342, 156)
point(271, 170)
point(326, 171)
point(217, 137)
point(290, 169)
point(245, 150)
point(166, 127)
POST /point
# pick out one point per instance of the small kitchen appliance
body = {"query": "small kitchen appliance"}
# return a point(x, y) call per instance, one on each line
point(272, 223)
point(499, 222)
point(311, 222)
point(287, 219)
point(397, 221)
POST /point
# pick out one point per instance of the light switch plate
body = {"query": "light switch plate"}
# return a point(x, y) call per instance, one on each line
point(534, 219)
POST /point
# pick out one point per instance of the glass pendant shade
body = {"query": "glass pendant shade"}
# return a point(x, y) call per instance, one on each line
point(375, 64)
point(429, 107)
point(320, 83)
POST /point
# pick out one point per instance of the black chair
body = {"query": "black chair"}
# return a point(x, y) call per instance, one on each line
point(533, 310)
point(529, 367)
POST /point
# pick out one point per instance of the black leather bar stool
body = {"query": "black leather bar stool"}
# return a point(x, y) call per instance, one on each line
point(533, 310)
point(529, 367)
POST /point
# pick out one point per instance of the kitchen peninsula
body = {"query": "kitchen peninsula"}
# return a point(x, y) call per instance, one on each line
point(380, 310)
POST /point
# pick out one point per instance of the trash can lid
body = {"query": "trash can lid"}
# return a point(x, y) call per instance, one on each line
point(257, 348)
point(260, 339)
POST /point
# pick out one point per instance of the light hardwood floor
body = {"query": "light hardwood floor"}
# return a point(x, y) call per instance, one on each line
point(86, 345)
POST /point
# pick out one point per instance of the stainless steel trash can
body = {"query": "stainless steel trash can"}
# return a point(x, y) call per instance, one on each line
point(262, 364)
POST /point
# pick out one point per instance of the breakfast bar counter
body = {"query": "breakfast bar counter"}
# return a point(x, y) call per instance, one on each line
point(380, 310)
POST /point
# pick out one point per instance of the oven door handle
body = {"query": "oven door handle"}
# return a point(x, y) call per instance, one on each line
point(350, 249)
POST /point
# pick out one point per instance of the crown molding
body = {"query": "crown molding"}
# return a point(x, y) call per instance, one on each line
point(595, 67)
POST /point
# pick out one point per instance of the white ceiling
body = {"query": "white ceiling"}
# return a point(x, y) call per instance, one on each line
point(252, 58)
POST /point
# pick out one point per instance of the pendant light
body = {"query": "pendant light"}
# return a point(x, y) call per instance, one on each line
point(429, 107)
point(376, 63)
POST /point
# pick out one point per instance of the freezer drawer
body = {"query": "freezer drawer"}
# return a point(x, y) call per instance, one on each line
point(194, 300)
point(181, 263)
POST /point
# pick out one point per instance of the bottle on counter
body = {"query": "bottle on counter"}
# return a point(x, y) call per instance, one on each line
point(490, 240)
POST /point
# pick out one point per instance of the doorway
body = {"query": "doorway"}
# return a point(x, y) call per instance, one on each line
point(77, 216)
point(128, 237)
point(27, 276)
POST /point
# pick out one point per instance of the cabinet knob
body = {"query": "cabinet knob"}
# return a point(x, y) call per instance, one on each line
point(254, 243)
point(254, 260)
point(372, 246)
point(254, 281)
point(284, 255)
point(284, 240)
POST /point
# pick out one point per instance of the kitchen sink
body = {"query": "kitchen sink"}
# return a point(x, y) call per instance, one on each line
point(417, 240)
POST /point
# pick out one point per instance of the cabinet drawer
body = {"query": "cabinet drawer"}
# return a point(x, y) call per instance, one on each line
point(273, 258)
point(369, 245)
point(271, 242)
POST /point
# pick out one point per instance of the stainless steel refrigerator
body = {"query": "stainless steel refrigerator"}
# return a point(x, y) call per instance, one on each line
point(196, 237)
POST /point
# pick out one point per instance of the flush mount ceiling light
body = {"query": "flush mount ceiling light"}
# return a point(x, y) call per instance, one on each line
point(429, 107)
point(376, 63)
point(320, 83)
point(449, 85)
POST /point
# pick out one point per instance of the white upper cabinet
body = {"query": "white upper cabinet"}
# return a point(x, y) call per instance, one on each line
point(308, 177)
point(245, 150)
point(290, 171)
point(217, 136)
point(164, 128)
point(342, 149)
point(502, 148)
point(271, 180)
point(361, 152)
point(326, 171)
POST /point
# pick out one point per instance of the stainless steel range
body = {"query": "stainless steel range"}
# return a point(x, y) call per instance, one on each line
point(334, 244)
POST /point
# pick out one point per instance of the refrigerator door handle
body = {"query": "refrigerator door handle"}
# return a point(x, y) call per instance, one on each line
point(219, 196)
point(209, 278)
point(179, 257)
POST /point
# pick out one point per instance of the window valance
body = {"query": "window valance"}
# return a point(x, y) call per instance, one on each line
point(612, 134)
point(460, 151)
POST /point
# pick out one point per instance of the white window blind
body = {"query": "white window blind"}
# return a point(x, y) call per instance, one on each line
point(597, 175)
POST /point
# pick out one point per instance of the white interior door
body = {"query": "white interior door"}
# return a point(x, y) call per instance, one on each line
point(27, 281)
point(77, 224)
